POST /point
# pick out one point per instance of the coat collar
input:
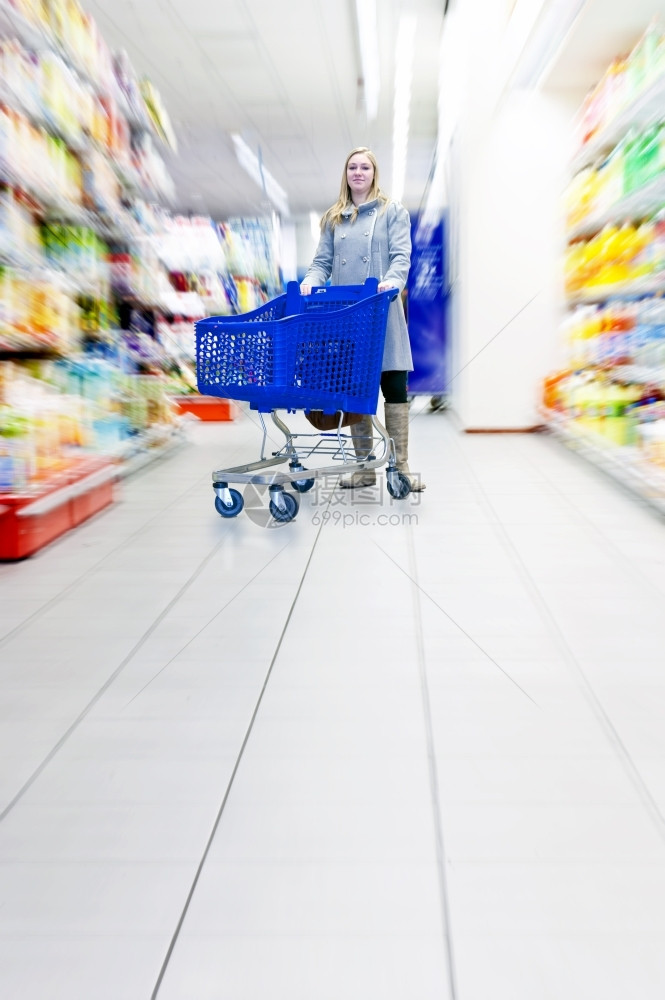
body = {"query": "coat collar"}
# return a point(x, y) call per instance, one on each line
point(362, 209)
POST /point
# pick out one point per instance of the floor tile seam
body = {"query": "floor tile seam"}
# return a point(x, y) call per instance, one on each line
point(203, 629)
point(74, 935)
point(109, 681)
point(319, 859)
point(142, 864)
point(595, 862)
point(436, 805)
point(605, 723)
point(206, 851)
point(628, 565)
point(91, 570)
point(459, 628)
point(69, 936)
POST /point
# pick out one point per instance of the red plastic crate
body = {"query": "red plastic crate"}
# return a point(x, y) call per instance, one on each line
point(206, 407)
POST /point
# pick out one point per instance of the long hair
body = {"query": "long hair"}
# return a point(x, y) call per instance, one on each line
point(334, 214)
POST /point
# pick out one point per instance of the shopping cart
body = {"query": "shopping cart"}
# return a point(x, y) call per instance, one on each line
point(301, 352)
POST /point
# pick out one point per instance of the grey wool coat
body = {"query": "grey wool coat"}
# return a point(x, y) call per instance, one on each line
point(377, 244)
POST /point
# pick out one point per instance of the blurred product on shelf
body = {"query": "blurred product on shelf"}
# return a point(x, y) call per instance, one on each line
point(190, 244)
point(57, 410)
point(636, 164)
point(626, 80)
point(37, 313)
point(39, 163)
point(157, 112)
point(621, 257)
point(253, 260)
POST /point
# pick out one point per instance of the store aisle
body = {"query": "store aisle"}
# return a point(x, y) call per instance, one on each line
point(392, 749)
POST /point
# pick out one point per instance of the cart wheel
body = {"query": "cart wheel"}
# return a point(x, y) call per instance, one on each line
point(398, 485)
point(303, 485)
point(290, 510)
point(232, 509)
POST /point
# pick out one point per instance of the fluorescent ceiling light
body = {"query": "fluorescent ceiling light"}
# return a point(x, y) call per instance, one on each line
point(315, 226)
point(404, 51)
point(555, 21)
point(368, 32)
point(252, 165)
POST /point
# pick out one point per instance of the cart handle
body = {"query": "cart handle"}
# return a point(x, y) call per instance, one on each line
point(295, 302)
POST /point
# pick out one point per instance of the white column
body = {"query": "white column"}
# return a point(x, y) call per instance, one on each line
point(508, 152)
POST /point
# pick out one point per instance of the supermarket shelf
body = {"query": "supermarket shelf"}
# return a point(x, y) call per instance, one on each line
point(11, 256)
point(634, 207)
point(78, 488)
point(625, 465)
point(27, 349)
point(646, 110)
point(39, 38)
point(14, 25)
point(637, 374)
point(81, 144)
point(43, 267)
point(624, 291)
point(139, 119)
point(148, 447)
point(56, 209)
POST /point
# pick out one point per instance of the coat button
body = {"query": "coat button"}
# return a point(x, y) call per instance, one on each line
point(343, 262)
point(367, 233)
point(344, 235)
point(365, 259)
point(371, 211)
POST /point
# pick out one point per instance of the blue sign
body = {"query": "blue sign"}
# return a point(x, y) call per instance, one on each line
point(426, 309)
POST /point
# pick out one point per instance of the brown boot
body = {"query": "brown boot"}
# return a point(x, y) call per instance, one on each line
point(362, 435)
point(397, 425)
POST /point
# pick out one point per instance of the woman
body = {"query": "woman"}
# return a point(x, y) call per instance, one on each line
point(365, 235)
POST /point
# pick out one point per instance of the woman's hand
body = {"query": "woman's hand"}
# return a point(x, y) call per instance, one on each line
point(385, 285)
point(305, 289)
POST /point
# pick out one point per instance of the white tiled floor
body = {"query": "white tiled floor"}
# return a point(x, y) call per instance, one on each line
point(335, 760)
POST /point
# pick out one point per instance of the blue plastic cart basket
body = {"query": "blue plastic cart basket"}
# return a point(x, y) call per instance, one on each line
point(299, 352)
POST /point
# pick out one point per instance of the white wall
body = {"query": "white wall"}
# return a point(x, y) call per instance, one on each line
point(288, 251)
point(306, 242)
point(510, 150)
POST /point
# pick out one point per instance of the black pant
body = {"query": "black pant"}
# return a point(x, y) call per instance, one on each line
point(393, 386)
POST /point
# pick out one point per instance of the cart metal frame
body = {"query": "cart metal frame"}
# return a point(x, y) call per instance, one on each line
point(336, 446)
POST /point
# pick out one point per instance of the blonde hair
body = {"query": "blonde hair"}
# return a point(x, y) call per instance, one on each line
point(334, 214)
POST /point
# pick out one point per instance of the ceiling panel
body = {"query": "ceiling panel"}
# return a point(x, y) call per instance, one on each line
point(203, 16)
point(285, 75)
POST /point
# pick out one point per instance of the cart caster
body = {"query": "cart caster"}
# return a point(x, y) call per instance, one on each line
point(399, 486)
point(228, 502)
point(301, 485)
point(283, 506)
